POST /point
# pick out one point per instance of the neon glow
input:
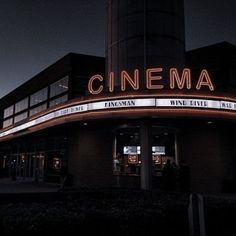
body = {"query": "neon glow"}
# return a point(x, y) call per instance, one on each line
point(185, 79)
point(205, 76)
point(125, 77)
point(150, 78)
point(90, 84)
point(154, 80)
point(111, 82)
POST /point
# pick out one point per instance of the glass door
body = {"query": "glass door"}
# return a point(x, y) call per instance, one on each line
point(21, 166)
point(39, 166)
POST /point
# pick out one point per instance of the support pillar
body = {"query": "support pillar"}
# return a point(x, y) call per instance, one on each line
point(146, 155)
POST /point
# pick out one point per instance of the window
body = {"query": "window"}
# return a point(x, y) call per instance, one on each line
point(21, 105)
point(59, 100)
point(56, 163)
point(127, 159)
point(8, 111)
point(59, 86)
point(7, 122)
point(38, 109)
point(39, 96)
point(20, 117)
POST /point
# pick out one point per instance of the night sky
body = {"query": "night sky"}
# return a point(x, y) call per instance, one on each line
point(36, 33)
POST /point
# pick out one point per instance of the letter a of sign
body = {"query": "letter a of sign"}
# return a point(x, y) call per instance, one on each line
point(205, 80)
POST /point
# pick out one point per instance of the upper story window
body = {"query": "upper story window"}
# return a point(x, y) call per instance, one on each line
point(38, 109)
point(21, 105)
point(59, 100)
point(59, 86)
point(20, 117)
point(8, 111)
point(7, 122)
point(39, 96)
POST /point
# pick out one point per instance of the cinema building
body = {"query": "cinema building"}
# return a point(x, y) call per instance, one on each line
point(115, 122)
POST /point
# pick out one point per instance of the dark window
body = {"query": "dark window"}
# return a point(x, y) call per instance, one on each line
point(59, 87)
point(8, 111)
point(38, 109)
point(7, 122)
point(21, 105)
point(39, 96)
point(20, 117)
point(59, 100)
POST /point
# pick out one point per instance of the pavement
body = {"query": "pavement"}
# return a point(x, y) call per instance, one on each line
point(26, 186)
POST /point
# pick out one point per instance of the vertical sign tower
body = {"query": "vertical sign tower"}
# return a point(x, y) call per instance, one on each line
point(143, 34)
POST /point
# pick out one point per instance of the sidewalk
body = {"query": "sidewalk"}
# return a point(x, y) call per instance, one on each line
point(26, 186)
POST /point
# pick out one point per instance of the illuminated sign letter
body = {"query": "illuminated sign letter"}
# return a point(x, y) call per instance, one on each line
point(185, 78)
point(133, 82)
point(204, 80)
point(90, 84)
point(150, 77)
point(111, 82)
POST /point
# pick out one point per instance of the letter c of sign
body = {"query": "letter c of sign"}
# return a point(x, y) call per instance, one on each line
point(90, 84)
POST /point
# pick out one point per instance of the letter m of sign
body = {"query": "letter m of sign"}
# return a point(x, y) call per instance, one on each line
point(175, 79)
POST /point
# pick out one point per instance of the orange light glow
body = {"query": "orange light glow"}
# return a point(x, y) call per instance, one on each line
point(133, 82)
point(150, 78)
point(90, 84)
point(177, 81)
point(205, 80)
point(175, 78)
point(111, 82)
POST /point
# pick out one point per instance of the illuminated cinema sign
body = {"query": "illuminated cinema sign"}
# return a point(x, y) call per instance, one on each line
point(153, 78)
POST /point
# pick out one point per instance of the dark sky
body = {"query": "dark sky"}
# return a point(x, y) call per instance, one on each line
point(36, 33)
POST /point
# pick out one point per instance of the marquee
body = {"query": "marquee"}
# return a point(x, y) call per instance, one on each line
point(129, 103)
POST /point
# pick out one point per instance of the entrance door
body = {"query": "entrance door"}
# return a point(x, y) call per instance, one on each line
point(21, 166)
point(39, 166)
point(127, 152)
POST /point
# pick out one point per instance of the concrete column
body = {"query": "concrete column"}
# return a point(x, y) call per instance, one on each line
point(146, 156)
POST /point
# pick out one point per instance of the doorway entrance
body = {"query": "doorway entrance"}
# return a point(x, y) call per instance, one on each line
point(127, 151)
point(27, 166)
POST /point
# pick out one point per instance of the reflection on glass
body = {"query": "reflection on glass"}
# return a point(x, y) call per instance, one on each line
point(59, 100)
point(38, 109)
point(20, 117)
point(39, 96)
point(8, 111)
point(21, 105)
point(59, 86)
point(7, 122)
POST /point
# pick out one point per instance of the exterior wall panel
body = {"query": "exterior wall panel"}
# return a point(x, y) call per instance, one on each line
point(208, 152)
point(90, 157)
